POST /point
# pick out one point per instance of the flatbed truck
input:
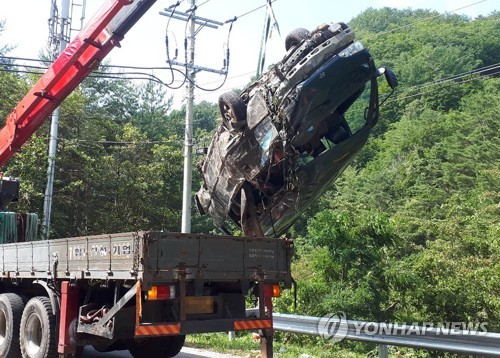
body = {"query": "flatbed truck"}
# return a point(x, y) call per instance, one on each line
point(140, 291)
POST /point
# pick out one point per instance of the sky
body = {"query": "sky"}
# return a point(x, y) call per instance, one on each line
point(26, 28)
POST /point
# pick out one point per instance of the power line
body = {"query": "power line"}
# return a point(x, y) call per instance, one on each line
point(96, 74)
point(109, 66)
point(252, 11)
point(232, 77)
point(226, 61)
point(453, 84)
point(130, 121)
point(423, 20)
point(156, 79)
point(111, 142)
point(203, 3)
point(234, 19)
point(478, 71)
point(455, 77)
point(145, 68)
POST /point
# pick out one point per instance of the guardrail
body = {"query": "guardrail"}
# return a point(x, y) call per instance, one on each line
point(453, 341)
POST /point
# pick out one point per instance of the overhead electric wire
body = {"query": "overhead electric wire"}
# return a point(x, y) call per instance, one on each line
point(226, 64)
point(232, 77)
point(116, 76)
point(111, 142)
point(453, 78)
point(107, 66)
point(458, 76)
point(257, 8)
point(169, 85)
point(97, 74)
point(171, 125)
point(101, 66)
point(453, 84)
point(154, 78)
point(186, 63)
point(203, 3)
point(423, 20)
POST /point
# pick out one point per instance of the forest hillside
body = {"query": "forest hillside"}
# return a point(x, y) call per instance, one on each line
point(409, 233)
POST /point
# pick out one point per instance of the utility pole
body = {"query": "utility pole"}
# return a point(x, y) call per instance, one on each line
point(188, 135)
point(191, 69)
point(59, 32)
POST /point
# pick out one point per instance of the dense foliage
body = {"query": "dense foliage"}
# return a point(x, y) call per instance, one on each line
point(410, 232)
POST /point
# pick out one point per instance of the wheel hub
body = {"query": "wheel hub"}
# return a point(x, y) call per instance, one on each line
point(33, 333)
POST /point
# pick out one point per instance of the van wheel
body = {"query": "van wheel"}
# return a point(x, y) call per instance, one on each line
point(295, 37)
point(11, 310)
point(38, 337)
point(233, 110)
point(165, 347)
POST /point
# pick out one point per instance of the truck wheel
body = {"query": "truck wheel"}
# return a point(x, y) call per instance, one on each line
point(38, 336)
point(164, 347)
point(233, 110)
point(11, 310)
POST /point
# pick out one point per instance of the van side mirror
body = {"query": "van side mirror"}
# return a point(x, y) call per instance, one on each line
point(391, 78)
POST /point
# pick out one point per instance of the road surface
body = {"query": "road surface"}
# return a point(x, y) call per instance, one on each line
point(186, 352)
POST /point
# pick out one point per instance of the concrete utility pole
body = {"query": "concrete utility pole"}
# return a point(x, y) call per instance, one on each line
point(191, 69)
point(188, 135)
point(60, 30)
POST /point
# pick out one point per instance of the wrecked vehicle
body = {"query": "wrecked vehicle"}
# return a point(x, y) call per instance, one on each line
point(287, 137)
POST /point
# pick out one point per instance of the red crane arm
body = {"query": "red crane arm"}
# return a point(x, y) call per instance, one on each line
point(102, 33)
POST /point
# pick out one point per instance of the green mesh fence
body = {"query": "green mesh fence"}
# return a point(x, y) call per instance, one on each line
point(31, 227)
point(15, 227)
point(8, 227)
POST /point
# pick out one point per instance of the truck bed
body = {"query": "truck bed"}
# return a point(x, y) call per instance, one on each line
point(149, 256)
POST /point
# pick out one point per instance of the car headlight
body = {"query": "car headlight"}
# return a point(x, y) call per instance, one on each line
point(351, 49)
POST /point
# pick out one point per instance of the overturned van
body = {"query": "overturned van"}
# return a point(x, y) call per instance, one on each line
point(287, 137)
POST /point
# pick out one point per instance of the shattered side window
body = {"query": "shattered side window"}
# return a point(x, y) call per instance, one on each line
point(265, 134)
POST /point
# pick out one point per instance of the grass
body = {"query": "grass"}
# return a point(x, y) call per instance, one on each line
point(244, 345)
point(287, 345)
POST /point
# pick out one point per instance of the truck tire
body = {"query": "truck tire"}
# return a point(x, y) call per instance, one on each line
point(295, 37)
point(161, 347)
point(38, 335)
point(11, 310)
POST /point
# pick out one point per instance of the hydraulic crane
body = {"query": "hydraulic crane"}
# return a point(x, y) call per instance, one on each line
point(102, 33)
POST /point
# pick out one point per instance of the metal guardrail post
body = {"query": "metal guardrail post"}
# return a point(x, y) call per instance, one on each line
point(383, 351)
